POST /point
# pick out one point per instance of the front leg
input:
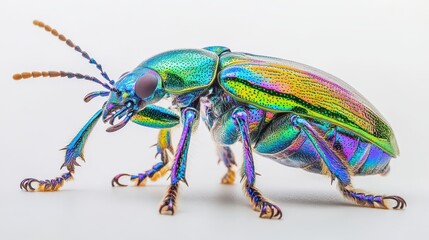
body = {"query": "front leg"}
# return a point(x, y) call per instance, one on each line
point(74, 150)
point(164, 148)
point(168, 205)
point(260, 203)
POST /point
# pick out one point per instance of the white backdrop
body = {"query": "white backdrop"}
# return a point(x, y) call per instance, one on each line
point(378, 47)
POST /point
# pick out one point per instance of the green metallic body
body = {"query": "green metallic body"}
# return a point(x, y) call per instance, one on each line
point(184, 70)
point(274, 85)
point(286, 111)
point(272, 91)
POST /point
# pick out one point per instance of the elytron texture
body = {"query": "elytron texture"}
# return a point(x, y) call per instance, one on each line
point(292, 113)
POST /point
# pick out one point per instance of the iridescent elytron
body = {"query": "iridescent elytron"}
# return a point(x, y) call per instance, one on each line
point(294, 114)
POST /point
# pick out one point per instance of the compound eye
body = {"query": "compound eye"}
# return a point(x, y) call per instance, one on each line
point(145, 86)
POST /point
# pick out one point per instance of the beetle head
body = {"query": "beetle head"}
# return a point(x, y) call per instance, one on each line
point(131, 93)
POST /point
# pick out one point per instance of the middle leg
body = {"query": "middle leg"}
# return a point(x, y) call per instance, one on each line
point(260, 203)
point(227, 157)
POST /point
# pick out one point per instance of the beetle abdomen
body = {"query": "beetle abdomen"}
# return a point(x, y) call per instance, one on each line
point(285, 143)
point(281, 86)
point(363, 158)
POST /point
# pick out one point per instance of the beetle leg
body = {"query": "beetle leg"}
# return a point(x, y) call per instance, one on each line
point(227, 157)
point(334, 163)
point(339, 170)
point(370, 200)
point(74, 150)
point(260, 203)
point(164, 148)
point(49, 185)
point(158, 170)
point(168, 205)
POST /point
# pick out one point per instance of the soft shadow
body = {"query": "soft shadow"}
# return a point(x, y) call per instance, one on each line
point(296, 197)
point(310, 198)
point(230, 195)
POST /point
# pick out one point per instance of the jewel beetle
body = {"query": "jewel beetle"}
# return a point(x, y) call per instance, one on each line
point(289, 112)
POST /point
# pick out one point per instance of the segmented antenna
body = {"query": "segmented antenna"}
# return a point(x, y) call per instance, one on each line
point(25, 75)
point(69, 43)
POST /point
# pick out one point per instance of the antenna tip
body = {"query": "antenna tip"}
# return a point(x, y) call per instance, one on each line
point(38, 23)
point(25, 75)
point(17, 76)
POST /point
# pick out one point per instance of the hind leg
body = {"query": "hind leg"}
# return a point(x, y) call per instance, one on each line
point(158, 170)
point(362, 198)
point(227, 157)
point(339, 171)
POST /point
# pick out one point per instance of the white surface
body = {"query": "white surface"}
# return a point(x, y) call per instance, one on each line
point(379, 47)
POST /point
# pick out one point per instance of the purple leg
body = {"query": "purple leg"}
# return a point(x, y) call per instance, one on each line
point(158, 170)
point(178, 170)
point(260, 203)
point(49, 185)
point(369, 200)
point(339, 171)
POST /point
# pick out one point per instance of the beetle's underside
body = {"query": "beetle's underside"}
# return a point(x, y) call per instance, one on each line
point(286, 111)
